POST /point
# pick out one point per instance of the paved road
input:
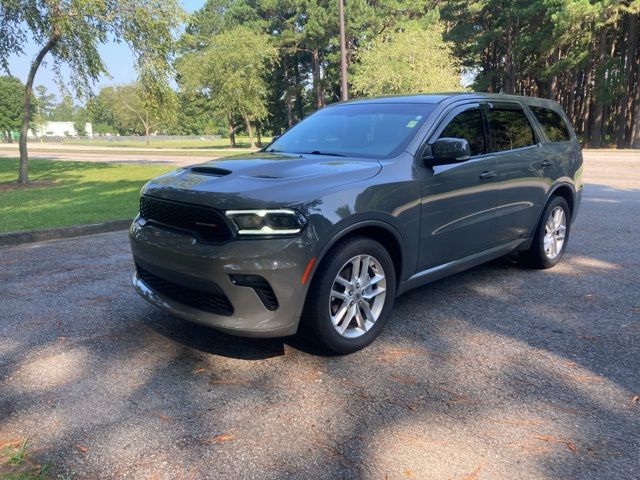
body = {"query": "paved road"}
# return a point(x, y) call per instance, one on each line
point(175, 156)
point(496, 373)
point(182, 156)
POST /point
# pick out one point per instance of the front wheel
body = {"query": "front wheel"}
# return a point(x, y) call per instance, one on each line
point(351, 295)
point(551, 235)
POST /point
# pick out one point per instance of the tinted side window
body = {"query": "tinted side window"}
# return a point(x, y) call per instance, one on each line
point(468, 125)
point(509, 129)
point(552, 123)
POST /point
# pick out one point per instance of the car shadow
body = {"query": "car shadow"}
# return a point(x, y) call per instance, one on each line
point(209, 340)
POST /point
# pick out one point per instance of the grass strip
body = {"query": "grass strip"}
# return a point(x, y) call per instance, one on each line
point(66, 193)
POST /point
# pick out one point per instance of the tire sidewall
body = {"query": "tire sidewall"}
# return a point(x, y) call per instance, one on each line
point(317, 311)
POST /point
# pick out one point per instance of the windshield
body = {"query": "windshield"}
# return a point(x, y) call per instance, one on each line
point(377, 130)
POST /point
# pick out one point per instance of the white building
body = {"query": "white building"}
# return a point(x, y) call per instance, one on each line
point(60, 129)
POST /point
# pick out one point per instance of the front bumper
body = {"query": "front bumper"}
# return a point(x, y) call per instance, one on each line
point(178, 258)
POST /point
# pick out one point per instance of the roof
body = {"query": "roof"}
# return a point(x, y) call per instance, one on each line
point(432, 98)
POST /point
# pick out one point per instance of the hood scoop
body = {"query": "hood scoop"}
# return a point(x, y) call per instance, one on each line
point(210, 171)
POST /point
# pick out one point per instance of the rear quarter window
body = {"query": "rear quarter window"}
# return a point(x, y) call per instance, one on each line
point(552, 124)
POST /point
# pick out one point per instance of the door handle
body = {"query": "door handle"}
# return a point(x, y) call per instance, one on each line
point(546, 163)
point(487, 174)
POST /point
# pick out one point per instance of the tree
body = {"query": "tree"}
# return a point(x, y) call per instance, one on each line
point(100, 108)
point(231, 72)
point(413, 59)
point(10, 105)
point(44, 103)
point(306, 74)
point(196, 116)
point(143, 106)
point(71, 31)
point(46, 100)
point(80, 119)
point(583, 53)
point(63, 111)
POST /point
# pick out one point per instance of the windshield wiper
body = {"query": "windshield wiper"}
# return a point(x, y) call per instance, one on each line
point(329, 154)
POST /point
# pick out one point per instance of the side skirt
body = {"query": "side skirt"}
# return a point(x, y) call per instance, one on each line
point(456, 266)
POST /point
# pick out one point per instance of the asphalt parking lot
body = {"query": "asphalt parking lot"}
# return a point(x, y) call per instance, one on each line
point(496, 373)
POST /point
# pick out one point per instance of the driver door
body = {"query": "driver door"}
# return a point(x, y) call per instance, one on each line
point(459, 199)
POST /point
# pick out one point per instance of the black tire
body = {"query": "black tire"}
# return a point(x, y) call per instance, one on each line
point(535, 256)
point(317, 322)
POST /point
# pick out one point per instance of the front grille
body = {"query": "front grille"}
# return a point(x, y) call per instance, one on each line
point(213, 301)
point(206, 224)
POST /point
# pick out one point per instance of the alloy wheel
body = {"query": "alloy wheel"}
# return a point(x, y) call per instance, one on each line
point(555, 230)
point(357, 296)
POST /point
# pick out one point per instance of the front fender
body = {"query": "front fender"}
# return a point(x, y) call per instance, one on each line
point(360, 222)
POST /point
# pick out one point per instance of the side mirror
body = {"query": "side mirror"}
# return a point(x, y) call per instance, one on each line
point(448, 150)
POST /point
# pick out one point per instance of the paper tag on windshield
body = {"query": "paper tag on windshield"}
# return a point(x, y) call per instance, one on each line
point(414, 122)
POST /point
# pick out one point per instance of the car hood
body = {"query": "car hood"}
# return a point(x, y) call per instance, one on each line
point(260, 179)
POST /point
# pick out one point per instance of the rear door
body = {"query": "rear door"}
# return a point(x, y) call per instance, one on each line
point(559, 147)
point(520, 164)
point(458, 200)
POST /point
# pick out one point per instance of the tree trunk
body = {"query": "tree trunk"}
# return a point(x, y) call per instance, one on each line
point(232, 133)
point(287, 92)
point(571, 97)
point(509, 69)
point(586, 105)
point(147, 133)
point(23, 172)
point(634, 140)
point(552, 88)
point(598, 107)
point(247, 122)
point(298, 83)
point(578, 110)
point(632, 47)
point(315, 73)
point(635, 129)
point(259, 135)
point(494, 62)
point(344, 89)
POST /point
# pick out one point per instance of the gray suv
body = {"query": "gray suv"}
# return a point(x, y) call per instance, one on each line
point(353, 206)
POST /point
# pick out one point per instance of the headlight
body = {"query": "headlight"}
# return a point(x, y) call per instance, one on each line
point(266, 222)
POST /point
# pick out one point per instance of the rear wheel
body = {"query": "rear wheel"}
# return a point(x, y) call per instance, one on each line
point(551, 235)
point(351, 295)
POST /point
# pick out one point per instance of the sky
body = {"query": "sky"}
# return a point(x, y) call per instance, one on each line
point(117, 58)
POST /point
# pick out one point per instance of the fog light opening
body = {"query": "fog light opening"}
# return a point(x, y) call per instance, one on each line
point(260, 285)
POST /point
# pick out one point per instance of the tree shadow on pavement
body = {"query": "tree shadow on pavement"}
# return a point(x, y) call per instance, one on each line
point(495, 373)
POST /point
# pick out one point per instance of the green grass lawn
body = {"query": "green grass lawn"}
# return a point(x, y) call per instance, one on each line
point(71, 193)
point(188, 143)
